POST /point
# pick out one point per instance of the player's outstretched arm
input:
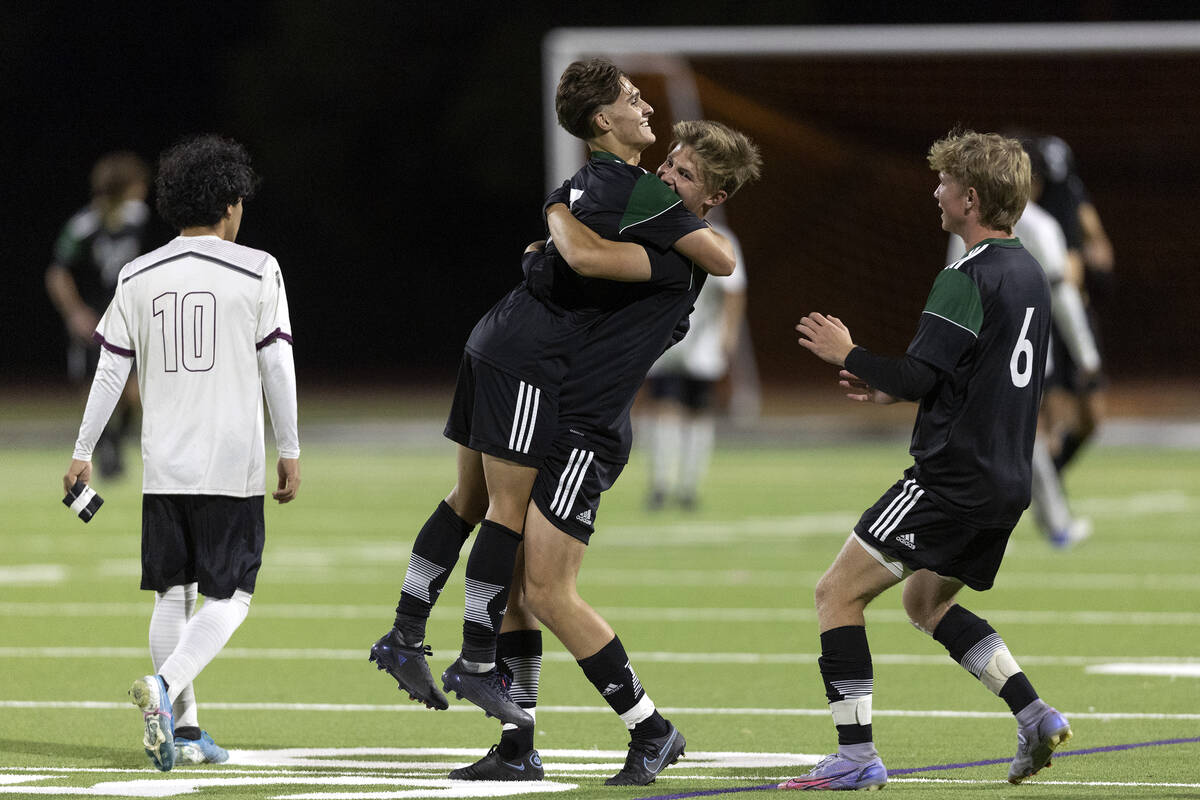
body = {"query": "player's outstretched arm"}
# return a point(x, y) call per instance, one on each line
point(591, 255)
point(708, 250)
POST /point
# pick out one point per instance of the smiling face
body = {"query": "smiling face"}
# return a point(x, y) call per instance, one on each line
point(955, 201)
point(627, 120)
point(682, 172)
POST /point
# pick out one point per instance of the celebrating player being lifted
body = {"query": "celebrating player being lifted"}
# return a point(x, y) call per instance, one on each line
point(506, 410)
point(976, 366)
point(207, 322)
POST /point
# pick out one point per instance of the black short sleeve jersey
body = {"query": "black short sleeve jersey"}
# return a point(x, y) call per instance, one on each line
point(622, 202)
point(985, 328)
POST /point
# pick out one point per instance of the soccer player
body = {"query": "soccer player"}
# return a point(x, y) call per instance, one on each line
point(682, 387)
point(505, 409)
point(706, 165)
point(1075, 394)
point(976, 366)
point(95, 243)
point(206, 321)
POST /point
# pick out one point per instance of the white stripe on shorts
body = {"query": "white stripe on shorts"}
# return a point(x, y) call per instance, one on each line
point(896, 510)
point(570, 482)
point(524, 418)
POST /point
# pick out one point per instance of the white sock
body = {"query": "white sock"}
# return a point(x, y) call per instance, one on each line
point(664, 450)
point(205, 634)
point(1050, 507)
point(695, 452)
point(172, 610)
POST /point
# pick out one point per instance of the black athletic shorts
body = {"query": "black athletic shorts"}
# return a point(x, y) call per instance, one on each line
point(212, 540)
point(907, 526)
point(1063, 373)
point(692, 393)
point(501, 415)
point(569, 484)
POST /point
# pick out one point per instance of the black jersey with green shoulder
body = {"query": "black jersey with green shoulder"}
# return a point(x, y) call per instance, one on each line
point(985, 329)
point(533, 331)
point(94, 249)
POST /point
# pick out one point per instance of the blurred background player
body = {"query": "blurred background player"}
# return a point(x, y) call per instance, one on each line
point(96, 242)
point(1075, 395)
point(1043, 237)
point(682, 387)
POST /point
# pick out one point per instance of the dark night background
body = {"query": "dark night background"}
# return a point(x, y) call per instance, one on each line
point(401, 146)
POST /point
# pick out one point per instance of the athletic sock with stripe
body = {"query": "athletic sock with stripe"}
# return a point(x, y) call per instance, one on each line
point(489, 577)
point(975, 645)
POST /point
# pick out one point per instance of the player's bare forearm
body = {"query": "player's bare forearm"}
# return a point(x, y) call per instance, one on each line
point(590, 254)
point(826, 338)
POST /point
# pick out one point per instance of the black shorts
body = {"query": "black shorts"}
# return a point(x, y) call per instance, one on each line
point(1063, 373)
point(907, 526)
point(569, 484)
point(211, 540)
point(501, 415)
point(692, 393)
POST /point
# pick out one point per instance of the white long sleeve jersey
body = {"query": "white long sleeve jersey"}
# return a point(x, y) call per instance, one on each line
point(207, 322)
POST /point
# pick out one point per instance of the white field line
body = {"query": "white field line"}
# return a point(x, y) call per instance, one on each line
point(358, 708)
point(303, 611)
point(1111, 664)
point(336, 566)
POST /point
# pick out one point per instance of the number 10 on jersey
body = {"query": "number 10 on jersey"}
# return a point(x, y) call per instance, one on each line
point(188, 326)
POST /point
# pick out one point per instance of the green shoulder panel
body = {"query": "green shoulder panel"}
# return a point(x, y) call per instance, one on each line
point(649, 198)
point(955, 297)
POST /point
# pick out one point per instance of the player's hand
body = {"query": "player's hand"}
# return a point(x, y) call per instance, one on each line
point(536, 247)
point(78, 471)
point(826, 338)
point(860, 391)
point(289, 479)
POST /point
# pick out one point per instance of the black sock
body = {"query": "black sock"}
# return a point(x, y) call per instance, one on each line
point(651, 727)
point(489, 577)
point(848, 674)
point(609, 671)
point(519, 656)
point(972, 642)
point(434, 554)
point(188, 732)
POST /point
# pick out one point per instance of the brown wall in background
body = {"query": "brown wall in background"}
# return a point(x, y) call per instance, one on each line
point(844, 219)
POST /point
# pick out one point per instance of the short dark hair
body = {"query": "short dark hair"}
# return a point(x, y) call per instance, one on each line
point(584, 87)
point(200, 177)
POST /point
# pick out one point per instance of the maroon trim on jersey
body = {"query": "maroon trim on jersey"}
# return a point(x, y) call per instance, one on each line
point(272, 336)
point(109, 346)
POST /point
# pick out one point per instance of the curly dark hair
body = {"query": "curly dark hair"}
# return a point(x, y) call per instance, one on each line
point(200, 177)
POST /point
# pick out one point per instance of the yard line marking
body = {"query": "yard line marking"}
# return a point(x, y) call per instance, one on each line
point(1103, 664)
point(355, 708)
point(32, 574)
point(1191, 670)
point(625, 613)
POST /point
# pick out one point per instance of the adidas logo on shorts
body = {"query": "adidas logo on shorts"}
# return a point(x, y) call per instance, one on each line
point(907, 540)
point(584, 516)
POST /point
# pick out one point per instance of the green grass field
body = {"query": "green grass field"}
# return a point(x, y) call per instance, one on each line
point(715, 609)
